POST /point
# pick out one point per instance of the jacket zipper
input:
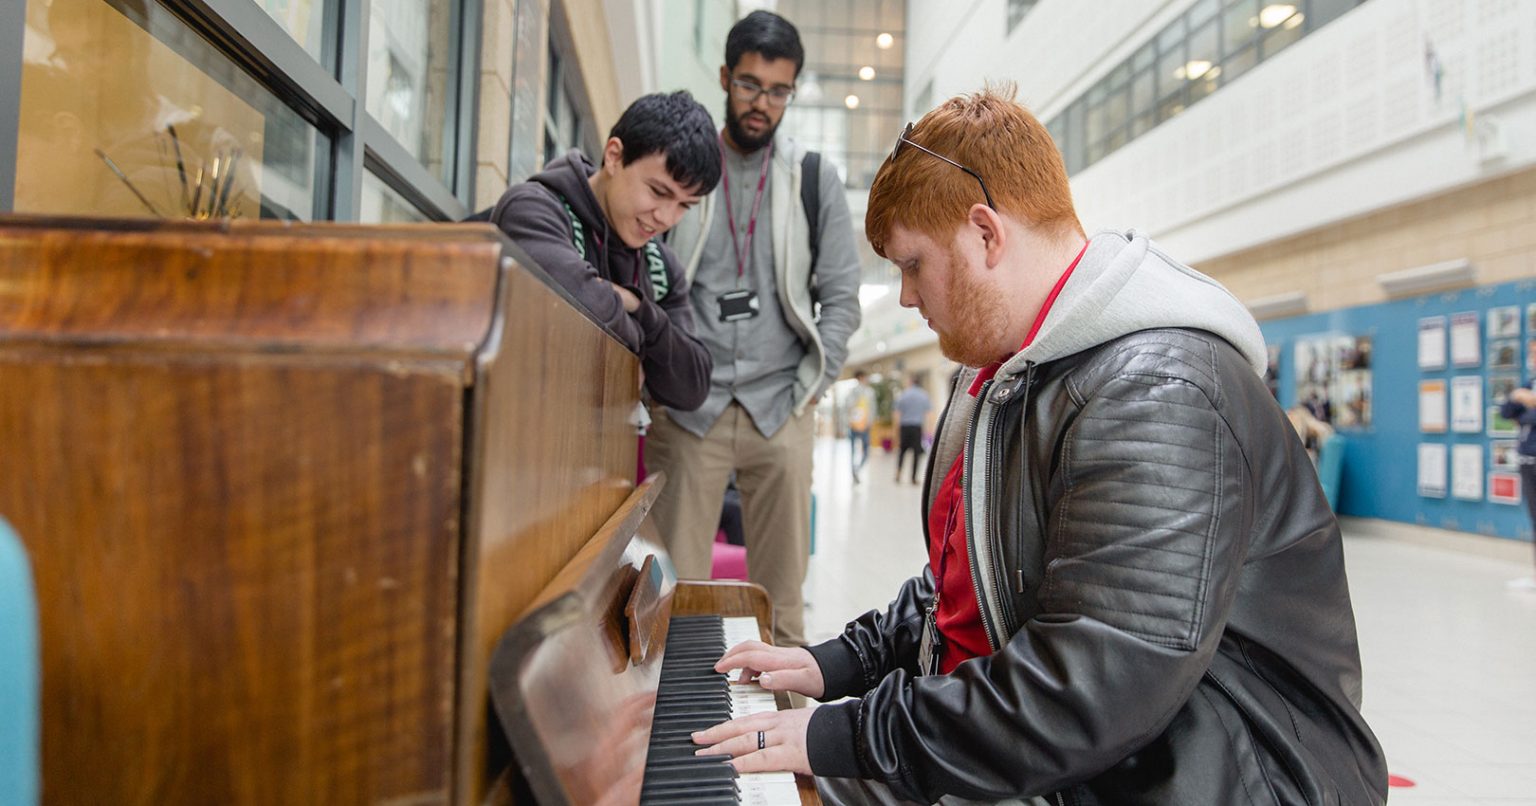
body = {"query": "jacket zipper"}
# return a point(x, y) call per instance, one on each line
point(1029, 382)
point(982, 565)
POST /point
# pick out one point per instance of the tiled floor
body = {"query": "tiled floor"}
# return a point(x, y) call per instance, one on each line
point(1449, 654)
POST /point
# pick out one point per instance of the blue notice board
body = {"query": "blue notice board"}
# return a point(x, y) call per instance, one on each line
point(1381, 458)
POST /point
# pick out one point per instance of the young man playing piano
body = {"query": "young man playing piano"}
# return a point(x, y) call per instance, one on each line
point(595, 230)
point(1135, 591)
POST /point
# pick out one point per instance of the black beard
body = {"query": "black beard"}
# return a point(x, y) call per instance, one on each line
point(744, 141)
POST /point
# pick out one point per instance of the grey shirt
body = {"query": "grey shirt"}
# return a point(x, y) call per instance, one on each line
point(912, 406)
point(755, 360)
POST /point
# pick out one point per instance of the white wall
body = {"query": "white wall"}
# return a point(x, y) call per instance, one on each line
point(1060, 44)
point(1343, 123)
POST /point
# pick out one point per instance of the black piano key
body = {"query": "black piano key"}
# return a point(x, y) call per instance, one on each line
point(690, 696)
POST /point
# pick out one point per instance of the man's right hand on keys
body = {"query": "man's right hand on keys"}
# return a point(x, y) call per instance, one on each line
point(775, 668)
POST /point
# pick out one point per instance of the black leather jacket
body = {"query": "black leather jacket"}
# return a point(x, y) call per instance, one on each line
point(1163, 584)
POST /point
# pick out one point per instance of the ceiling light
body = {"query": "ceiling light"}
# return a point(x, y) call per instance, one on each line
point(884, 41)
point(1294, 21)
point(1193, 69)
point(1275, 13)
point(1434, 277)
point(1291, 303)
point(867, 73)
point(852, 102)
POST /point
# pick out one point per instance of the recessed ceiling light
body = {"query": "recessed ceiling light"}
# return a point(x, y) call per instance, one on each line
point(1193, 69)
point(1275, 13)
point(884, 41)
point(852, 102)
point(867, 73)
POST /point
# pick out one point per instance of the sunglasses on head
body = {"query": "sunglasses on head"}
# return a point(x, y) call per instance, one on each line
point(904, 139)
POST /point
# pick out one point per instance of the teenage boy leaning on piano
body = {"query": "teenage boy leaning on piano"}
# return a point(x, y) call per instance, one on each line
point(595, 229)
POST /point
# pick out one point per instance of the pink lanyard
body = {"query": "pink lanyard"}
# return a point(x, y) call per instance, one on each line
point(743, 250)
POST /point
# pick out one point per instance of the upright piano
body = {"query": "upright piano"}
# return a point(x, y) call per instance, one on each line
point(298, 498)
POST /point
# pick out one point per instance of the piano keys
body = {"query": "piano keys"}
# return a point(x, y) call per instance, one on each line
point(690, 696)
point(601, 684)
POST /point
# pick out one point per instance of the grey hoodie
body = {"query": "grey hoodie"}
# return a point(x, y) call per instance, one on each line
point(1124, 284)
point(533, 215)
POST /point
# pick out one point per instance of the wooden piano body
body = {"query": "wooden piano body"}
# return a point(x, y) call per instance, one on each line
point(284, 488)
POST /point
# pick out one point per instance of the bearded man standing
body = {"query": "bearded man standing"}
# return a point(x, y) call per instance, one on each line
point(761, 252)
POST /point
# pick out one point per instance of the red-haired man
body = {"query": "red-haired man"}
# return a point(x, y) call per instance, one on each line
point(1135, 591)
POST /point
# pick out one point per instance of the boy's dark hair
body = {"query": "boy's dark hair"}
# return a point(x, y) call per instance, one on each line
point(674, 124)
point(767, 33)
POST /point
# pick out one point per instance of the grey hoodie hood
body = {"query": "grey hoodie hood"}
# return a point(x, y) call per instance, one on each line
point(1123, 284)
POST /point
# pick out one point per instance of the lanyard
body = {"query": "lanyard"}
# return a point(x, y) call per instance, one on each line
point(743, 249)
point(949, 528)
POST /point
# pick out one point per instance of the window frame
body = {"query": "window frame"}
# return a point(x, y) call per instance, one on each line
point(328, 96)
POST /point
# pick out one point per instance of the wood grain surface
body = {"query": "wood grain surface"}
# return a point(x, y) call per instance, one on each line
point(282, 488)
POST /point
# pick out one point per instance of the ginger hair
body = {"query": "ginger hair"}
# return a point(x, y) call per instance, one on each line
point(993, 135)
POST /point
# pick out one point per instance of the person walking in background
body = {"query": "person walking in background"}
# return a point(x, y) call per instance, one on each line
point(1520, 406)
point(761, 255)
point(860, 415)
point(912, 408)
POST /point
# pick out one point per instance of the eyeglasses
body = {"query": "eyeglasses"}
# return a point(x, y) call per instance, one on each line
point(748, 91)
point(903, 140)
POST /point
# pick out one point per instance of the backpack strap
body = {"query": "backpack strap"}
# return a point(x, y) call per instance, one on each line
point(655, 266)
point(810, 199)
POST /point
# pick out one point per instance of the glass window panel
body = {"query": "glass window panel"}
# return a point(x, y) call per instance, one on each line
point(1171, 36)
point(552, 81)
point(1017, 9)
point(1095, 123)
point(1170, 70)
point(1238, 63)
point(861, 47)
point(1238, 23)
point(1322, 12)
point(1202, 52)
point(1075, 136)
point(139, 116)
point(1115, 109)
point(1141, 124)
point(1280, 37)
point(410, 76)
point(1203, 86)
point(1202, 11)
point(304, 20)
point(1095, 153)
point(1142, 93)
point(381, 204)
point(1115, 141)
point(1144, 57)
point(1119, 75)
point(1170, 107)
